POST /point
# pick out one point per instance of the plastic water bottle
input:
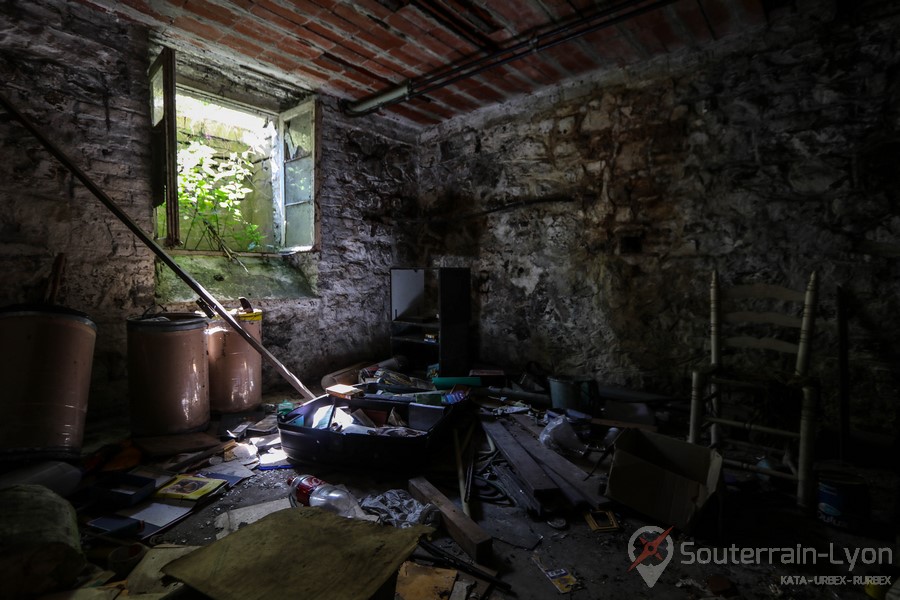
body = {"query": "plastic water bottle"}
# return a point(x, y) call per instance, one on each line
point(308, 490)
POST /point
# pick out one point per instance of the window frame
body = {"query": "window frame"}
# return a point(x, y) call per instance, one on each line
point(309, 105)
point(164, 141)
point(165, 168)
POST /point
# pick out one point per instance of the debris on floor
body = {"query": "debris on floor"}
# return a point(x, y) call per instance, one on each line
point(500, 496)
point(685, 477)
point(561, 578)
point(418, 581)
point(233, 520)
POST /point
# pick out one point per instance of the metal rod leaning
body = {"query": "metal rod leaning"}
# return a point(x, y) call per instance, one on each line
point(157, 249)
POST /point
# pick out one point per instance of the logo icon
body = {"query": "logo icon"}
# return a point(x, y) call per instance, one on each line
point(650, 549)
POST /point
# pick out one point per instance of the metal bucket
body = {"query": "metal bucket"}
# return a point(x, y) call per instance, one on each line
point(168, 374)
point(579, 393)
point(235, 367)
point(46, 375)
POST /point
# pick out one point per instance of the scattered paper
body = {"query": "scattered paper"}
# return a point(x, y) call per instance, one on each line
point(235, 519)
point(273, 456)
point(562, 579)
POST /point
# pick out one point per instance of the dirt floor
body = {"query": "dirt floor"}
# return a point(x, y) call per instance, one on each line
point(753, 543)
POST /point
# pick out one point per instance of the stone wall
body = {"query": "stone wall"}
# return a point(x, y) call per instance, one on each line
point(81, 76)
point(365, 174)
point(593, 214)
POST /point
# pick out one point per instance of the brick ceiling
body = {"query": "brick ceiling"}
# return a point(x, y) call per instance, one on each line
point(456, 55)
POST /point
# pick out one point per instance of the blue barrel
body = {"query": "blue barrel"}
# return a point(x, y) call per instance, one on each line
point(843, 499)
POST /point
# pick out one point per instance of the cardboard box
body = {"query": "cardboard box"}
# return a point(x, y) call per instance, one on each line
point(664, 478)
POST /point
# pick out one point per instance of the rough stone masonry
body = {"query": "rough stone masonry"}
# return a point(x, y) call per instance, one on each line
point(593, 214)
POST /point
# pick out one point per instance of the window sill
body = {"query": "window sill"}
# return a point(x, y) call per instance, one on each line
point(257, 277)
point(214, 253)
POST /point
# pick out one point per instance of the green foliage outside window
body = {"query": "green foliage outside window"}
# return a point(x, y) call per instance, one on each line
point(211, 188)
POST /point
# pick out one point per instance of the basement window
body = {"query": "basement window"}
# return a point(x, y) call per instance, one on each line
point(230, 179)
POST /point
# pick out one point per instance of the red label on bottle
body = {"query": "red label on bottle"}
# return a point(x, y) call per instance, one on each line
point(304, 486)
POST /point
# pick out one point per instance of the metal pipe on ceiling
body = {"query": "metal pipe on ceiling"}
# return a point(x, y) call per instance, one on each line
point(428, 83)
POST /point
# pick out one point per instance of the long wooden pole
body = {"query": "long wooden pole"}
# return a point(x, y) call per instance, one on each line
point(157, 249)
point(843, 374)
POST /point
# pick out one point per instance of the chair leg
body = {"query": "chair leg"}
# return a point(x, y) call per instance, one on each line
point(805, 479)
point(698, 385)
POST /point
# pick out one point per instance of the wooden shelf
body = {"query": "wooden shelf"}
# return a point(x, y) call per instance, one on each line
point(417, 295)
point(414, 340)
point(433, 324)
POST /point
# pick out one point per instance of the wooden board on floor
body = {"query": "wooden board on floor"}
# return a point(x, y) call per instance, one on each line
point(515, 489)
point(474, 540)
point(572, 474)
point(415, 582)
point(537, 483)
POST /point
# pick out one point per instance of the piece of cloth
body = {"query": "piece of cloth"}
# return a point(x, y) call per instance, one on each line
point(302, 552)
point(398, 508)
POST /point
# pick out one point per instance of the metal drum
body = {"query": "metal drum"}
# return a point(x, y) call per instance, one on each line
point(235, 367)
point(168, 374)
point(48, 354)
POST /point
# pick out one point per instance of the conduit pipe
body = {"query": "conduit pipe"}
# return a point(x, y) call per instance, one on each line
point(192, 283)
point(473, 66)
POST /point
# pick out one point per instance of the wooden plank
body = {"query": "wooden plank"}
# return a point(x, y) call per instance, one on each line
point(420, 581)
point(572, 494)
point(474, 540)
point(549, 459)
point(513, 486)
point(537, 483)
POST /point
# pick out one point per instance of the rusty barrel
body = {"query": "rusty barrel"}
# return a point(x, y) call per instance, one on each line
point(235, 367)
point(168, 374)
point(48, 354)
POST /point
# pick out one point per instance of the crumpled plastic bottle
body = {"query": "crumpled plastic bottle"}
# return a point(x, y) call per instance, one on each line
point(559, 435)
point(308, 490)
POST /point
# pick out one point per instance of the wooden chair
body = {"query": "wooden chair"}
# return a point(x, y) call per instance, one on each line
point(755, 400)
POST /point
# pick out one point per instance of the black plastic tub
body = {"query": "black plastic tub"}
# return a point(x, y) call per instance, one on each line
point(308, 445)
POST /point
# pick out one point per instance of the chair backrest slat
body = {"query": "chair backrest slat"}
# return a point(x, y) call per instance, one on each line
point(762, 290)
point(763, 318)
point(753, 343)
point(720, 296)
